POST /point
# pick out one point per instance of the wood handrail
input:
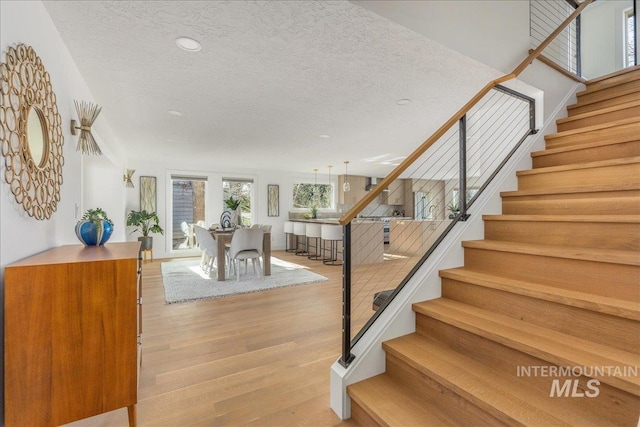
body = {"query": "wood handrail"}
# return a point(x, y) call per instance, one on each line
point(549, 63)
point(375, 192)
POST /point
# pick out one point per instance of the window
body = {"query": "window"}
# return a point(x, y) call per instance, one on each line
point(188, 209)
point(241, 189)
point(629, 38)
point(307, 196)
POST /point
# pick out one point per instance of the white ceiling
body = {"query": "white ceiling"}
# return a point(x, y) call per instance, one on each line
point(270, 79)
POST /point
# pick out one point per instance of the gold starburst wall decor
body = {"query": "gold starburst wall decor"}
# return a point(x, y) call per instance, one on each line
point(87, 113)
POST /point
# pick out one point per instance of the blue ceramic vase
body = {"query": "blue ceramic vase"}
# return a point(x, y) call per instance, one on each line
point(91, 235)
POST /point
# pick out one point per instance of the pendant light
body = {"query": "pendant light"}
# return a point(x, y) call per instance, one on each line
point(346, 186)
point(330, 186)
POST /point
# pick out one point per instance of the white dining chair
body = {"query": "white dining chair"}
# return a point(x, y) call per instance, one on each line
point(246, 244)
point(209, 248)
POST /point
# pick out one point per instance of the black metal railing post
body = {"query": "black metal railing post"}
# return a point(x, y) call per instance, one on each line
point(578, 47)
point(347, 356)
point(532, 116)
point(462, 196)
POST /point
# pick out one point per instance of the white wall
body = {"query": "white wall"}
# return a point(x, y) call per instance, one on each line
point(603, 37)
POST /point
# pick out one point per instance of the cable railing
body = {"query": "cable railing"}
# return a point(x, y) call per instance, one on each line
point(600, 41)
point(440, 180)
point(545, 16)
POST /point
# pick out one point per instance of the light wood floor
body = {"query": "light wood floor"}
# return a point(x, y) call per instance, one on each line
point(254, 359)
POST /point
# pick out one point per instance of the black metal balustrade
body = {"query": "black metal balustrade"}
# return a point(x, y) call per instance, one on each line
point(442, 178)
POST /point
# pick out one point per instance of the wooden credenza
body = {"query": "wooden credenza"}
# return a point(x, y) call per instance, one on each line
point(72, 334)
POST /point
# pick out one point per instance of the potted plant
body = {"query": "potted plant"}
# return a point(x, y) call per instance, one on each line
point(453, 208)
point(314, 212)
point(147, 222)
point(95, 227)
point(234, 206)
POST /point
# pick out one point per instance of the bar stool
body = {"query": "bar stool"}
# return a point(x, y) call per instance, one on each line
point(300, 230)
point(288, 232)
point(314, 231)
point(332, 234)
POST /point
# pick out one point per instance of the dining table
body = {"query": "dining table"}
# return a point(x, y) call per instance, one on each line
point(223, 238)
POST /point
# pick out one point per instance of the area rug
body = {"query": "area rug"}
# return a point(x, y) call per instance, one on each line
point(184, 280)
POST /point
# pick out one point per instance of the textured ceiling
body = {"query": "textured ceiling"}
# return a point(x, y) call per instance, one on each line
point(270, 79)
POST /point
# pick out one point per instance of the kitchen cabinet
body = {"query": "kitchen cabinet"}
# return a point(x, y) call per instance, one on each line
point(357, 191)
point(72, 334)
point(395, 193)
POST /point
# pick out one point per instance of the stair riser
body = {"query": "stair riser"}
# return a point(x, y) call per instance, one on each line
point(598, 327)
point(623, 133)
point(595, 106)
point(601, 203)
point(605, 117)
point(603, 152)
point(594, 95)
point(460, 409)
point(620, 406)
point(463, 411)
point(576, 275)
point(614, 177)
point(360, 416)
point(603, 235)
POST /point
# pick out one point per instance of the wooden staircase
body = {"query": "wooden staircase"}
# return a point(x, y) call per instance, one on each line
point(555, 284)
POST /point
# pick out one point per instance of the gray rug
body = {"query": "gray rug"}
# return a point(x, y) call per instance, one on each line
point(184, 280)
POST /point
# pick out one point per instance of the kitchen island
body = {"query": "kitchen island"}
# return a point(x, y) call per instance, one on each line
point(414, 237)
point(367, 239)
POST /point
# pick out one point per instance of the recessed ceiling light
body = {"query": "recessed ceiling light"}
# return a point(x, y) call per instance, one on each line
point(403, 101)
point(188, 44)
point(325, 136)
point(176, 113)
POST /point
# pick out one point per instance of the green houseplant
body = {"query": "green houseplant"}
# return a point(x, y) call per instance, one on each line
point(454, 208)
point(147, 222)
point(233, 204)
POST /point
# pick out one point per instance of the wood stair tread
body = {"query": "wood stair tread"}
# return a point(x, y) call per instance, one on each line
point(620, 97)
point(616, 78)
point(554, 347)
point(576, 147)
point(389, 403)
point(584, 300)
point(503, 395)
point(585, 129)
point(559, 191)
point(633, 219)
point(586, 165)
point(599, 112)
point(613, 256)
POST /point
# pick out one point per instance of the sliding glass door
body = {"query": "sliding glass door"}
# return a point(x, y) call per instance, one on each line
point(188, 205)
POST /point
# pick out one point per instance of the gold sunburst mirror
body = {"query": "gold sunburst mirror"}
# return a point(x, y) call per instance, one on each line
point(30, 132)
